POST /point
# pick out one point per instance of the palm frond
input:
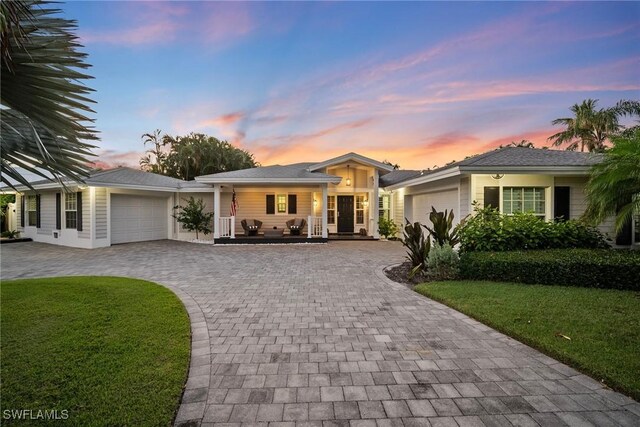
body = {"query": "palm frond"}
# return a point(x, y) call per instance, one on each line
point(46, 125)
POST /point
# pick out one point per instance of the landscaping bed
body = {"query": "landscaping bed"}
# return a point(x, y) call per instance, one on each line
point(595, 330)
point(109, 351)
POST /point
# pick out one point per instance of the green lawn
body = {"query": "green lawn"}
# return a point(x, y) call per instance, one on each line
point(604, 325)
point(110, 351)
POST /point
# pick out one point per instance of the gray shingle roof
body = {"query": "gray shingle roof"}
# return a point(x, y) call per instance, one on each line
point(125, 176)
point(523, 156)
point(293, 171)
point(397, 176)
point(513, 157)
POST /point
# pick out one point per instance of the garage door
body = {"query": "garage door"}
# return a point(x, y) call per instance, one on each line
point(441, 200)
point(137, 218)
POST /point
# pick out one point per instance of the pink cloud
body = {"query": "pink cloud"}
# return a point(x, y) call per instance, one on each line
point(109, 159)
point(148, 33)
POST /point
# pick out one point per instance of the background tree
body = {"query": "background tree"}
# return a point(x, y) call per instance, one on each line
point(193, 217)
point(614, 185)
point(186, 157)
point(44, 128)
point(393, 165)
point(591, 128)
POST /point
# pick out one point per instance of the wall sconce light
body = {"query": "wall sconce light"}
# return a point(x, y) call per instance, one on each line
point(365, 203)
point(348, 176)
point(497, 176)
point(315, 203)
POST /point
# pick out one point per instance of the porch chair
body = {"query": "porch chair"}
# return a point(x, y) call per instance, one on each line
point(296, 225)
point(251, 226)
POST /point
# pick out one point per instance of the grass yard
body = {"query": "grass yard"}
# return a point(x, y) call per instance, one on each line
point(604, 325)
point(109, 350)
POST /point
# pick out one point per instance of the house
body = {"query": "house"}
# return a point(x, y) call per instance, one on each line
point(342, 195)
point(549, 183)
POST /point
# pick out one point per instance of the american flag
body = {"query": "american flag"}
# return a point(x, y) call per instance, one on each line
point(234, 204)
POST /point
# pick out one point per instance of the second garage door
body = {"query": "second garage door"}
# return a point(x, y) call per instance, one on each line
point(441, 200)
point(138, 218)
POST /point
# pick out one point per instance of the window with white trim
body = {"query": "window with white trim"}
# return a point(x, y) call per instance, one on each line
point(523, 199)
point(359, 209)
point(331, 209)
point(71, 210)
point(32, 215)
point(384, 206)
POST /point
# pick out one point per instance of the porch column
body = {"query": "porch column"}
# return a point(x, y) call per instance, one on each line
point(325, 190)
point(216, 211)
point(373, 204)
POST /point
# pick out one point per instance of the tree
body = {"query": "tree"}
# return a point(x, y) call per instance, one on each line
point(523, 143)
point(44, 127)
point(193, 217)
point(186, 157)
point(592, 128)
point(395, 166)
point(154, 158)
point(614, 184)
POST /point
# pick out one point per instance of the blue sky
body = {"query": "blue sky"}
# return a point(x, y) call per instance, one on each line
point(419, 84)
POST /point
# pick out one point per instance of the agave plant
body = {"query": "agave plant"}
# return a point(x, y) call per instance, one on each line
point(443, 230)
point(44, 106)
point(417, 245)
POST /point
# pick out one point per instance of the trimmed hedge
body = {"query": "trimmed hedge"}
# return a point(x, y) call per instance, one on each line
point(590, 268)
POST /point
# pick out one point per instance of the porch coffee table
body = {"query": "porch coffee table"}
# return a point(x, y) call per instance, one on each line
point(271, 232)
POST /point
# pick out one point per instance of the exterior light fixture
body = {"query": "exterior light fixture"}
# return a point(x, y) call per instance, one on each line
point(348, 176)
point(315, 203)
point(365, 203)
point(497, 176)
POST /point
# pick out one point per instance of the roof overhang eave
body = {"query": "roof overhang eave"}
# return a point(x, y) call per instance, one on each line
point(262, 181)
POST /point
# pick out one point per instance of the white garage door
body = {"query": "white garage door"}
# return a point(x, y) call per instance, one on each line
point(137, 218)
point(441, 200)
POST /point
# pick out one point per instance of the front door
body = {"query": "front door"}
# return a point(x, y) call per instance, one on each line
point(345, 214)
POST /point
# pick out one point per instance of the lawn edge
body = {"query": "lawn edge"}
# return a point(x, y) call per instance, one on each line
point(605, 380)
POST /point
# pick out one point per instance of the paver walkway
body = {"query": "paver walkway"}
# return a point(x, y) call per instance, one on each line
point(315, 335)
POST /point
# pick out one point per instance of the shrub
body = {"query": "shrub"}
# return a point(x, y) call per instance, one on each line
point(443, 230)
point(595, 268)
point(10, 234)
point(417, 247)
point(387, 227)
point(488, 230)
point(193, 217)
point(442, 262)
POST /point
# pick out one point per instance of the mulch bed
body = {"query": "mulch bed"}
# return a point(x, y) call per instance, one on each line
point(400, 274)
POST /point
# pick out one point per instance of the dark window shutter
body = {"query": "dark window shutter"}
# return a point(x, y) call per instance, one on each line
point(492, 197)
point(293, 204)
point(37, 211)
point(22, 210)
point(58, 211)
point(625, 236)
point(79, 211)
point(562, 203)
point(271, 204)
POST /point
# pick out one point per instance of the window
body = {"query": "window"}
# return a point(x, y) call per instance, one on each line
point(531, 200)
point(384, 206)
point(331, 209)
point(71, 210)
point(359, 209)
point(281, 203)
point(32, 214)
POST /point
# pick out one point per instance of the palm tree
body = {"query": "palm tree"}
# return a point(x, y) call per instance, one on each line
point(588, 128)
point(44, 128)
point(614, 185)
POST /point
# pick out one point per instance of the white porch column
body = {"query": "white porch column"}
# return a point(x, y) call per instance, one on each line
point(233, 227)
point(373, 204)
point(216, 211)
point(325, 191)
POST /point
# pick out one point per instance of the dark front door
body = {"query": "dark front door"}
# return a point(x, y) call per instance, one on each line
point(345, 214)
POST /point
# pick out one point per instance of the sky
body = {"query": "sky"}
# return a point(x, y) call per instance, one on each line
point(417, 83)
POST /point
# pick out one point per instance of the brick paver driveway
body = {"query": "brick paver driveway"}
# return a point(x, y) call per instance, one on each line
point(314, 335)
